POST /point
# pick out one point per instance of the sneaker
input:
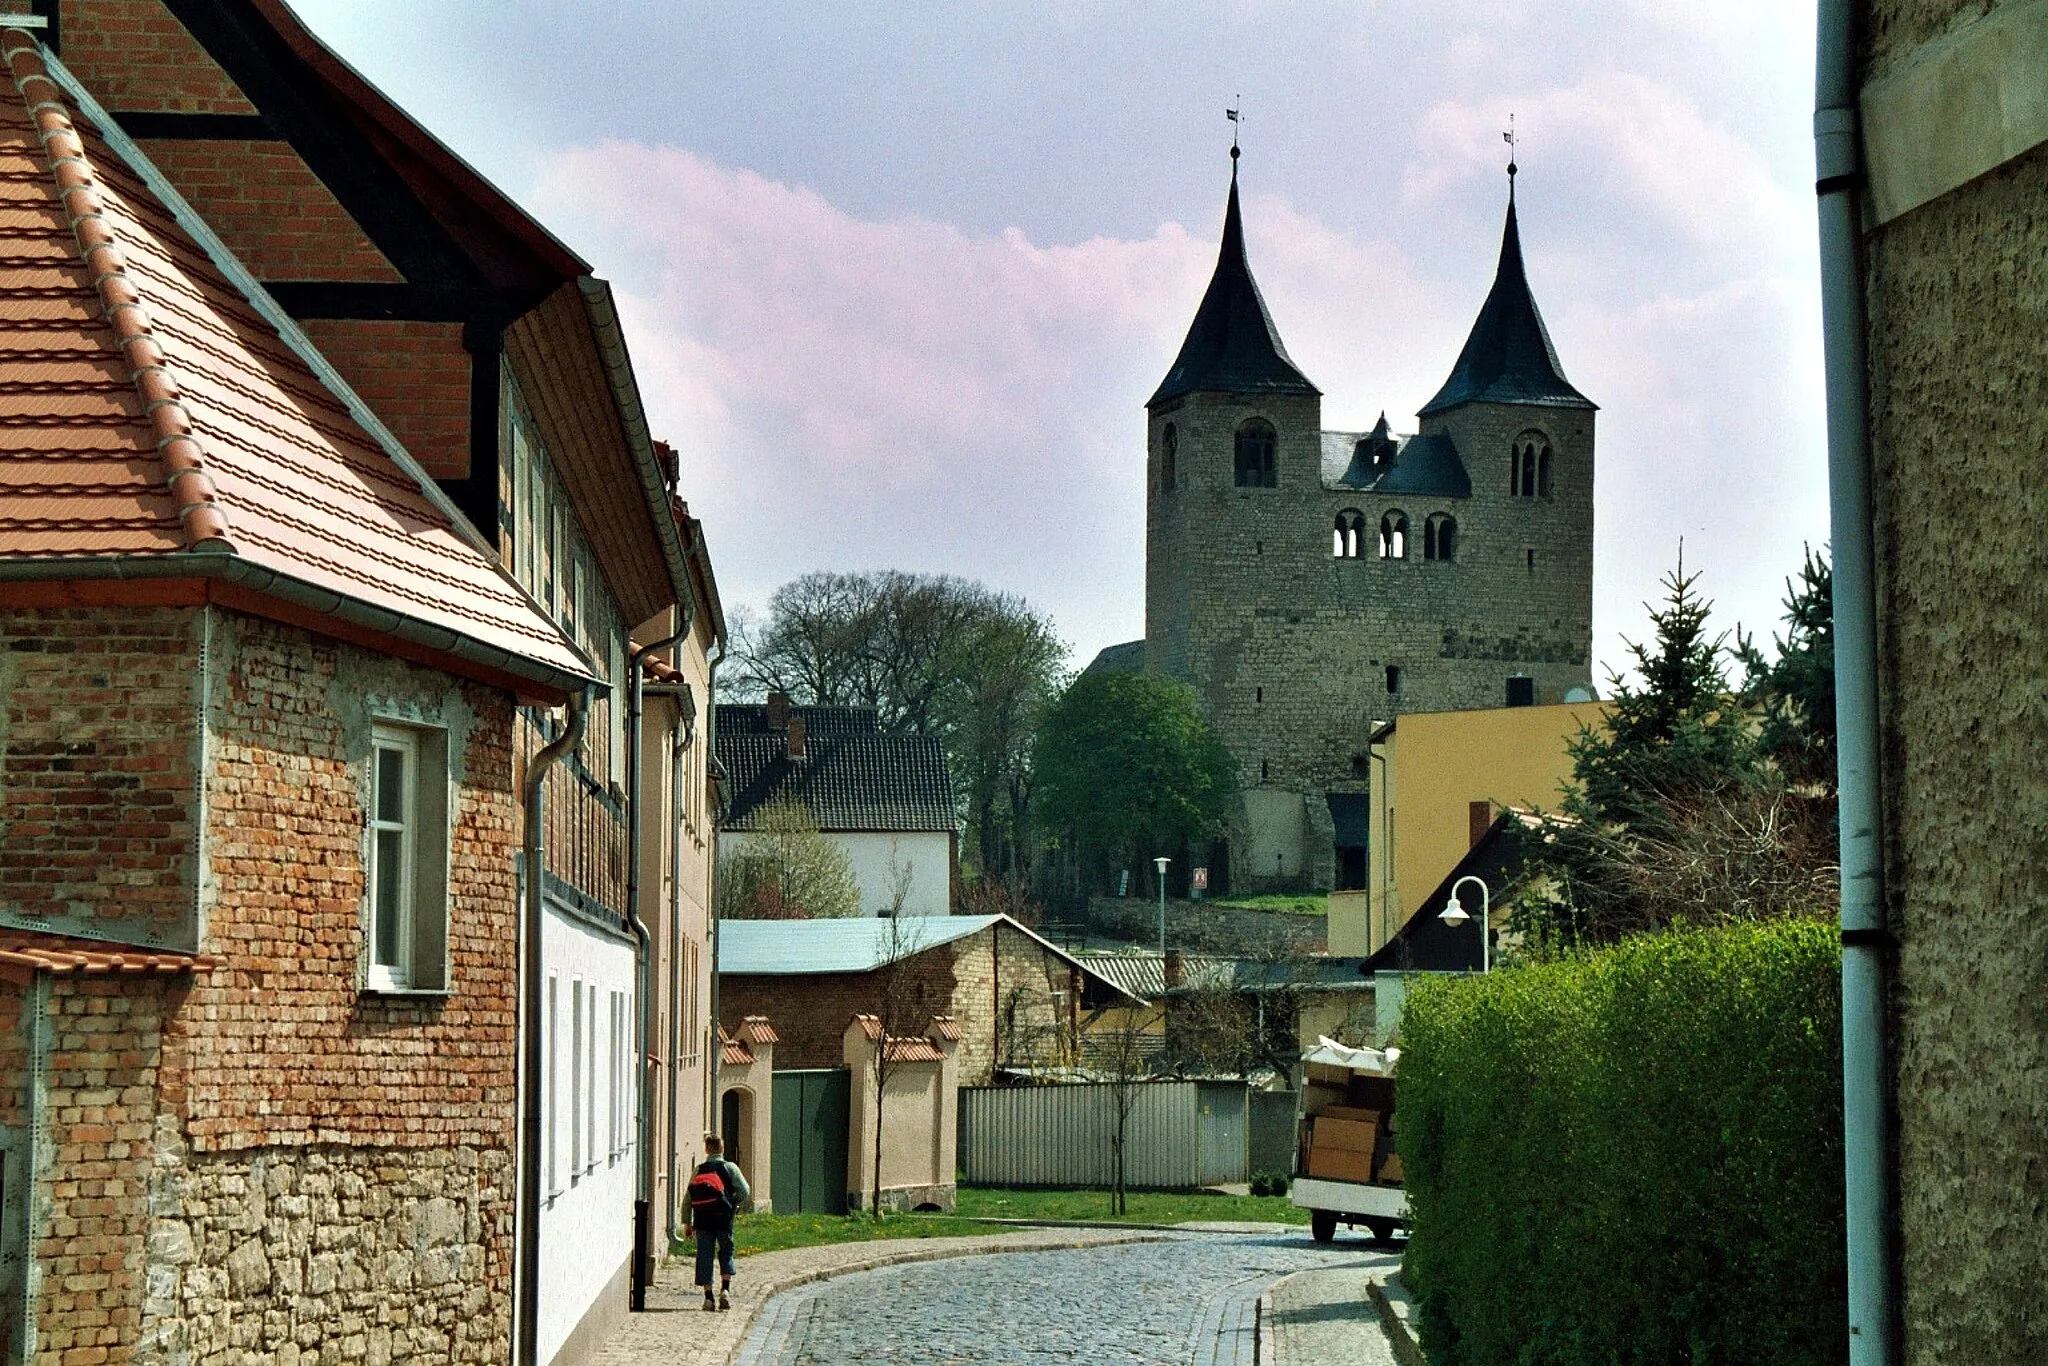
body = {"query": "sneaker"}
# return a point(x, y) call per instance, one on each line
point(710, 1305)
point(724, 1300)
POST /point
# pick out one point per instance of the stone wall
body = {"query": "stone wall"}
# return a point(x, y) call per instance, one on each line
point(1289, 646)
point(1957, 292)
point(324, 1254)
point(1199, 927)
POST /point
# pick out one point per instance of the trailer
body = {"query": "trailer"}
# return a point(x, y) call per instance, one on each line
point(1350, 1168)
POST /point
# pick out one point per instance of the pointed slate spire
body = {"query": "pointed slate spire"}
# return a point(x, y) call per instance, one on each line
point(1232, 346)
point(1508, 358)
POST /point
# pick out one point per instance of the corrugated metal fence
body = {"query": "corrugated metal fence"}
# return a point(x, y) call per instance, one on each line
point(1181, 1134)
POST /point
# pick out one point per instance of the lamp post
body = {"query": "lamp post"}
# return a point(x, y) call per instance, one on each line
point(1160, 864)
point(1454, 914)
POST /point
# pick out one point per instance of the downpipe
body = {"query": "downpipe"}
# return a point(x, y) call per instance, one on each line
point(526, 1344)
point(685, 734)
point(643, 972)
point(1867, 1173)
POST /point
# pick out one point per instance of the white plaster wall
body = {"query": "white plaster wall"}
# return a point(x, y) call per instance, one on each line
point(876, 856)
point(586, 1215)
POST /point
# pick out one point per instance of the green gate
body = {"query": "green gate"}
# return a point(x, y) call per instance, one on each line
point(811, 1115)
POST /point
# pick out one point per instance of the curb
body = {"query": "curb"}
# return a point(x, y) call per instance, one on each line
point(772, 1288)
point(1264, 1351)
point(1407, 1351)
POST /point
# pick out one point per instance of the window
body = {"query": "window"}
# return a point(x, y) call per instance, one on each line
point(1529, 465)
point(406, 860)
point(1521, 690)
point(1440, 537)
point(1347, 541)
point(1394, 535)
point(1169, 459)
point(1531, 553)
point(590, 1100)
point(575, 1079)
point(553, 1090)
point(1393, 679)
point(1256, 447)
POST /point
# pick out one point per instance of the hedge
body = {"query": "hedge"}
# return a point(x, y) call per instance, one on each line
point(1631, 1156)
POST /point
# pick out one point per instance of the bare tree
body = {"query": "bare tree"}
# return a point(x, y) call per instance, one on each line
point(1124, 1054)
point(901, 996)
point(786, 870)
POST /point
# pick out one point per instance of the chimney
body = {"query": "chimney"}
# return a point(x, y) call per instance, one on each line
point(778, 711)
point(1478, 820)
point(671, 465)
point(796, 736)
point(1173, 973)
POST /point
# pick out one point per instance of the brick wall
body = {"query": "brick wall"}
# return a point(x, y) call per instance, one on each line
point(269, 207)
point(98, 740)
point(414, 375)
point(811, 1013)
point(133, 55)
point(284, 1049)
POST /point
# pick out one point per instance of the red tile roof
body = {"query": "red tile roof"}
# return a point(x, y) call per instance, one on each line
point(152, 411)
point(733, 1051)
point(946, 1027)
point(23, 952)
point(756, 1029)
point(915, 1050)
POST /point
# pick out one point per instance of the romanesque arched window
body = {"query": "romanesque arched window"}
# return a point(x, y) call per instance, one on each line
point(1440, 537)
point(1394, 535)
point(1256, 447)
point(1347, 540)
point(1169, 458)
point(1529, 465)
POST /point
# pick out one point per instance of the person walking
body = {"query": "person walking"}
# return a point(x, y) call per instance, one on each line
point(718, 1191)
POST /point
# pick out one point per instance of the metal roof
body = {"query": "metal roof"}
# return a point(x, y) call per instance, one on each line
point(799, 948)
point(1508, 358)
point(850, 777)
point(1232, 346)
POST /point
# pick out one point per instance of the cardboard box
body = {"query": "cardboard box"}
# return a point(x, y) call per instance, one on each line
point(1390, 1170)
point(1340, 1165)
point(1345, 1135)
point(1351, 1112)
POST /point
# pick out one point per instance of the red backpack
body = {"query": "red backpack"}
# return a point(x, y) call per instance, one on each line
point(710, 1202)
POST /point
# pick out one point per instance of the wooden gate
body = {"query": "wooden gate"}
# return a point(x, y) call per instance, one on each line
point(811, 1114)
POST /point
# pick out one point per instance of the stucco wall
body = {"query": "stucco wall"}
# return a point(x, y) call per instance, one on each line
point(876, 859)
point(1957, 291)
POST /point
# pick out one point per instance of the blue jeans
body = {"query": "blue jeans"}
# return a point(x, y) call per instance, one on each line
point(708, 1241)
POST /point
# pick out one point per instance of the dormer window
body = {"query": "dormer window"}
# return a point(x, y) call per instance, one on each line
point(1347, 541)
point(1529, 465)
point(1394, 535)
point(1256, 450)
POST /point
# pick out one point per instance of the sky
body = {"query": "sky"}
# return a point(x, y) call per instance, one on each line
point(898, 278)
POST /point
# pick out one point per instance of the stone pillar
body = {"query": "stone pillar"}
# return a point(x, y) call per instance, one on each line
point(859, 1044)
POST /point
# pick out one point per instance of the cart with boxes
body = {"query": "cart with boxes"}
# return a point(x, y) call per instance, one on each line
point(1349, 1168)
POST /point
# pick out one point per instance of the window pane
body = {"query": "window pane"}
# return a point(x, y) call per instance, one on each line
point(389, 874)
point(391, 785)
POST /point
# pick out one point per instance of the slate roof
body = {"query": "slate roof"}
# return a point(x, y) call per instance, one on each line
point(849, 778)
point(1508, 357)
point(1232, 346)
point(751, 718)
point(1424, 466)
point(1127, 658)
point(165, 419)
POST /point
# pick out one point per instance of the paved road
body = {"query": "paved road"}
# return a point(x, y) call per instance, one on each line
point(1187, 1301)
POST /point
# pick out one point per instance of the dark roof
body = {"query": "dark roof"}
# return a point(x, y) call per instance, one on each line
point(1232, 346)
point(849, 778)
point(1508, 358)
point(820, 723)
point(1425, 466)
point(1127, 658)
point(1425, 943)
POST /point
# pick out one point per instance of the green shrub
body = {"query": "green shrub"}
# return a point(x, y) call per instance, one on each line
point(1269, 1183)
point(1632, 1156)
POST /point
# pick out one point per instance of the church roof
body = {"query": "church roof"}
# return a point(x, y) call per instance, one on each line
point(1379, 462)
point(1232, 346)
point(1508, 358)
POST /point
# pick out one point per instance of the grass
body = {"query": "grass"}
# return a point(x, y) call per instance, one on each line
point(1293, 903)
point(776, 1232)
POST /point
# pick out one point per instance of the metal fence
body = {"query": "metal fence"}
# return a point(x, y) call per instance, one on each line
point(1181, 1134)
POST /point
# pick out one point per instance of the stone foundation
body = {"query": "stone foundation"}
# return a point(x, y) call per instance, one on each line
point(311, 1255)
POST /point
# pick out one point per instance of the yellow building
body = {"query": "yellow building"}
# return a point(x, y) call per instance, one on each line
point(1437, 780)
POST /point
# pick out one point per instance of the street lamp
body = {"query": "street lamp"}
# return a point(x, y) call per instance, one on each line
point(1454, 914)
point(1160, 864)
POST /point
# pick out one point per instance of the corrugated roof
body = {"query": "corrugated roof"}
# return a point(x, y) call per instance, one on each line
point(795, 948)
point(156, 412)
point(23, 952)
point(848, 782)
point(1232, 346)
point(1508, 357)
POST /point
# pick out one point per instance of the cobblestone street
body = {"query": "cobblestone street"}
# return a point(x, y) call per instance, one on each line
point(1190, 1298)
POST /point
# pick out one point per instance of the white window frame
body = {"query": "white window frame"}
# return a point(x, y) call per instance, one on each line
point(590, 1070)
point(388, 740)
point(553, 1095)
point(575, 1079)
point(423, 963)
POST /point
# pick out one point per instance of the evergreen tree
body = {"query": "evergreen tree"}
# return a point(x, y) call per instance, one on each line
point(1795, 692)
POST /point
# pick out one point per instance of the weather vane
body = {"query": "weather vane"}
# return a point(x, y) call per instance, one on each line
point(1509, 138)
point(1236, 116)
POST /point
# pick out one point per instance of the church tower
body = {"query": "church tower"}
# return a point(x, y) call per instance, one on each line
point(1310, 585)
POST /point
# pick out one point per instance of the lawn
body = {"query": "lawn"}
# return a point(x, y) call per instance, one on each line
point(775, 1232)
point(1292, 903)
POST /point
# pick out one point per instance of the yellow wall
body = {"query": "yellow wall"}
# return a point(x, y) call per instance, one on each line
point(1435, 765)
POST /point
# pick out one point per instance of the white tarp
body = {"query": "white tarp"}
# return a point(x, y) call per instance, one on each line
point(1330, 1053)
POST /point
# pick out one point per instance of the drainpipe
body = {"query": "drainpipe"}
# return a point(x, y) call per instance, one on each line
point(526, 1348)
point(643, 967)
point(685, 733)
point(713, 1118)
point(1868, 1187)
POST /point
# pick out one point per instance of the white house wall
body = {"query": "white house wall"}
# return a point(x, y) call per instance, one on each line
point(586, 1217)
point(876, 857)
